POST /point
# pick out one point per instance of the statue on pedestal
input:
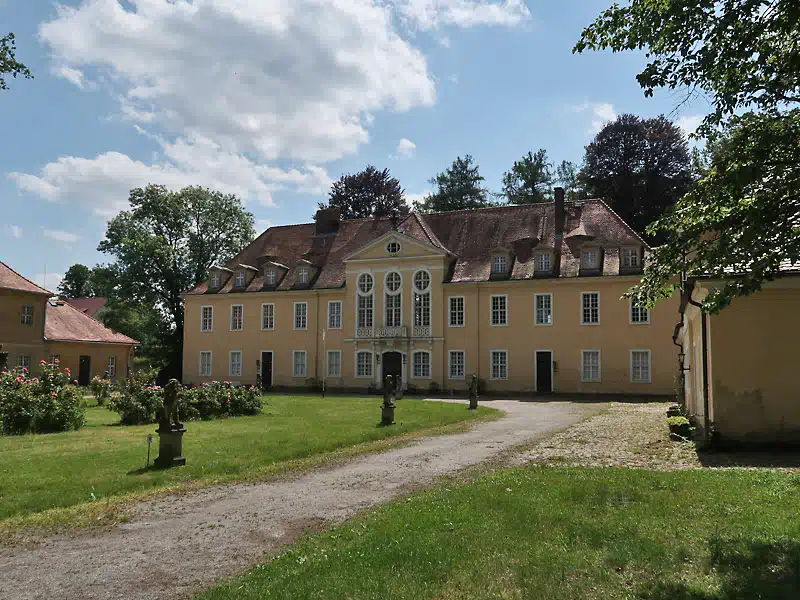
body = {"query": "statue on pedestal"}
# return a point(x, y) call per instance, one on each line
point(473, 393)
point(170, 430)
point(387, 408)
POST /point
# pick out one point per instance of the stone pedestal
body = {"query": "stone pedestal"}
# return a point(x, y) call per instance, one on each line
point(473, 402)
point(170, 447)
point(387, 413)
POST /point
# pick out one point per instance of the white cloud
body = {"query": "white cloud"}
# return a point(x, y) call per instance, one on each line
point(262, 225)
point(433, 14)
point(411, 198)
point(690, 123)
point(601, 112)
point(405, 149)
point(48, 281)
point(74, 76)
point(16, 231)
point(61, 236)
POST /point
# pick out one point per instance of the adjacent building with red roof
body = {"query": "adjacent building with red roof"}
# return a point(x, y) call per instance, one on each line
point(88, 306)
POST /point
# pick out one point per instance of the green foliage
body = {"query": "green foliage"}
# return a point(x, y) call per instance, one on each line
point(677, 421)
point(137, 399)
point(216, 400)
point(101, 388)
point(434, 388)
point(530, 179)
point(76, 282)
point(9, 65)
point(368, 193)
point(458, 187)
point(567, 177)
point(45, 404)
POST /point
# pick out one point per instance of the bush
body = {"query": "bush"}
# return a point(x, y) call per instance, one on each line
point(138, 399)
point(45, 404)
point(434, 388)
point(678, 422)
point(101, 388)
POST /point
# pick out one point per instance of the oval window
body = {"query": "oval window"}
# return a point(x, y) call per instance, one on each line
point(393, 247)
point(365, 283)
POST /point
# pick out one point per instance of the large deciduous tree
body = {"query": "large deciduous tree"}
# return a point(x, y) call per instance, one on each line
point(742, 216)
point(368, 193)
point(530, 179)
point(76, 282)
point(165, 244)
point(460, 186)
point(9, 65)
point(567, 177)
point(641, 166)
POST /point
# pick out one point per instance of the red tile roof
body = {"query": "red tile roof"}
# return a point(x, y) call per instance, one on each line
point(88, 306)
point(11, 280)
point(64, 322)
point(469, 236)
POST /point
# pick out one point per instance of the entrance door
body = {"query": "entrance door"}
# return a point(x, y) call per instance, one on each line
point(84, 370)
point(544, 372)
point(266, 371)
point(393, 365)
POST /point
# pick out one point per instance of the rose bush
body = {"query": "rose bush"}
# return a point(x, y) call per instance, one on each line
point(138, 399)
point(101, 388)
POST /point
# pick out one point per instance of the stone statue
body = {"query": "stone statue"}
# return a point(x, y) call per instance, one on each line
point(170, 417)
point(473, 393)
point(387, 408)
point(170, 430)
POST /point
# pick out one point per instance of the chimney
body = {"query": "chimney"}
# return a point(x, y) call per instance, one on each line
point(327, 220)
point(559, 212)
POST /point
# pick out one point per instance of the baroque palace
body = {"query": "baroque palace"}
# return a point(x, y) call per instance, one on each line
point(526, 297)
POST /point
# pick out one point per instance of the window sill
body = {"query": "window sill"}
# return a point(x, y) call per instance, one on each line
point(498, 325)
point(543, 324)
point(591, 324)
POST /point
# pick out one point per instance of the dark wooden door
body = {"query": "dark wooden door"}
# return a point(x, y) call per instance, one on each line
point(266, 370)
point(84, 370)
point(393, 365)
point(544, 372)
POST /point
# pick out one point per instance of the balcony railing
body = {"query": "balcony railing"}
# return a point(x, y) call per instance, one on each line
point(391, 332)
point(364, 332)
point(421, 331)
point(394, 332)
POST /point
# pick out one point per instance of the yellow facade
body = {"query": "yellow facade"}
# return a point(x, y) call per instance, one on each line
point(22, 341)
point(614, 336)
point(99, 357)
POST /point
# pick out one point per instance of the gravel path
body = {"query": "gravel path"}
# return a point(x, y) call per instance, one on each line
point(175, 546)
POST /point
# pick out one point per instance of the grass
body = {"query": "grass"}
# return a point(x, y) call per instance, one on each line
point(83, 476)
point(556, 533)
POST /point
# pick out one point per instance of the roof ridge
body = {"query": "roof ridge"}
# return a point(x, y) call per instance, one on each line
point(10, 268)
point(621, 220)
point(434, 239)
point(103, 325)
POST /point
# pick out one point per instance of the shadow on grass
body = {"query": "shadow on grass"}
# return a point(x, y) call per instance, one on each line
point(774, 458)
point(745, 569)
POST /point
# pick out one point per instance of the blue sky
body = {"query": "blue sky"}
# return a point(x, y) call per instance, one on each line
point(273, 99)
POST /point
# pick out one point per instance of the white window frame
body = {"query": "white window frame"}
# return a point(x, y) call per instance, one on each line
point(241, 322)
point(543, 255)
point(370, 375)
point(202, 318)
point(24, 361)
point(339, 364)
point(536, 309)
point(492, 352)
point(240, 275)
point(272, 317)
point(54, 358)
point(27, 315)
point(583, 295)
point(419, 316)
point(634, 252)
point(587, 252)
point(210, 363)
point(491, 310)
point(303, 317)
point(368, 312)
point(450, 375)
point(270, 277)
point(303, 275)
point(631, 306)
point(398, 293)
point(111, 367)
point(331, 314)
point(649, 366)
point(599, 366)
point(389, 245)
point(230, 363)
point(214, 281)
point(295, 373)
point(413, 364)
point(502, 260)
point(450, 312)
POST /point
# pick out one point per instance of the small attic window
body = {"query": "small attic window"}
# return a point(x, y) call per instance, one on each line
point(590, 258)
point(270, 277)
point(499, 263)
point(302, 275)
point(240, 279)
point(214, 282)
point(543, 263)
point(393, 247)
point(630, 258)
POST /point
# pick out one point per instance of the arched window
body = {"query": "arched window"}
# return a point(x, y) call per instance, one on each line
point(365, 300)
point(393, 299)
point(363, 363)
point(422, 299)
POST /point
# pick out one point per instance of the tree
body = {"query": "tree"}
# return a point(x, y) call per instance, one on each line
point(164, 245)
point(369, 193)
point(742, 215)
point(76, 282)
point(8, 61)
point(459, 187)
point(529, 180)
point(641, 166)
point(567, 177)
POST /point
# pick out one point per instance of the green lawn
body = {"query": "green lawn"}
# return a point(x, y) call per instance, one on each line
point(556, 533)
point(104, 460)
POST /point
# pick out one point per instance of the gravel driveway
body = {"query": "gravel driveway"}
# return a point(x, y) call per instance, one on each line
point(178, 545)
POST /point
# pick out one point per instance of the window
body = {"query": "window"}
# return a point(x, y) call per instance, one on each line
point(542, 262)
point(270, 277)
point(214, 281)
point(300, 315)
point(27, 315)
point(393, 247)
point(590, 259)
point(206, 318)
point(640, 366)
point(422, 365)
point(456, 369)
point(457, 311)
point(639, 315)
point(590, 307)
point(237, 317)
point(334, 363)
point(235, 365)
point(267, 317)
point(544, 309)
point(499, 311)
point(302, 275)
point(205, 364)
point(590, 365)
point(24, 361)
point(365, 283)
point(55, 358)
point(422, 299)
point(111, 370)
point(240, 279)
point(299, 363)
point(630, 257)
point(363, 364)
point(365, 300)
point(499, 263)
point(334, 315)
point(499, 364)
point(393, 303)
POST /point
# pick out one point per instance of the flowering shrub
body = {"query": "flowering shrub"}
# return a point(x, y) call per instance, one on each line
point(138, 399)
point(101, 388)
point(45, 404)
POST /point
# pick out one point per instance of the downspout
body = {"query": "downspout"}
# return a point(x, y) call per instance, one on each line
point(478, 294)
point(704, 345)
point(681, 370)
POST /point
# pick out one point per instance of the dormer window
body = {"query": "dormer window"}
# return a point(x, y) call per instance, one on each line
point(214, 283)
point(240, 279)
point(393, 247)
point(270, 277)
point(302, 275)
point(590, 259)
point(543, 262)
point(499, 264)
point(630, 258)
